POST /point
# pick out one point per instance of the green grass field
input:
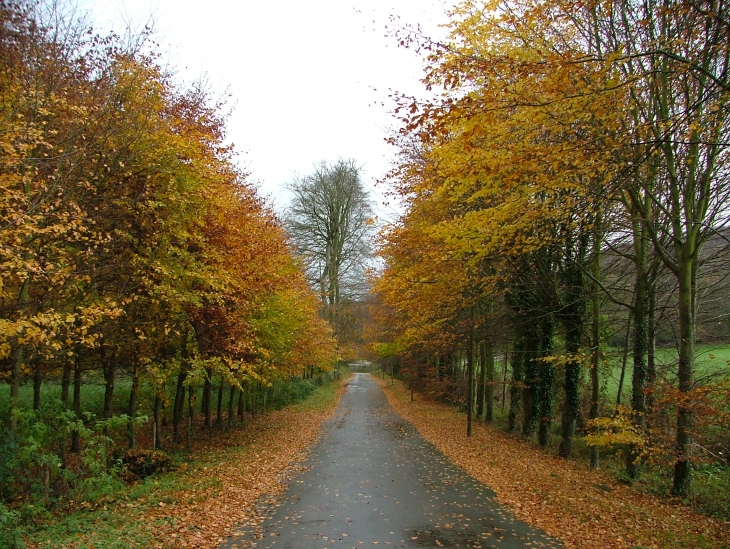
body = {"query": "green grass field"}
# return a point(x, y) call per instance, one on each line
point(92, 395)
point(712, 362)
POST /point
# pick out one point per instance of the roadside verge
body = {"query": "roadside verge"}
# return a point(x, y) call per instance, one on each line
point(584, 509)
point(198, 505)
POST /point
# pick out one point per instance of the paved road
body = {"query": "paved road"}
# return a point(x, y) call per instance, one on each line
point(374, 481)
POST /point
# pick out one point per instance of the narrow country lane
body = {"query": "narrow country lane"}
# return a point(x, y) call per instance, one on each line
point(374, 481)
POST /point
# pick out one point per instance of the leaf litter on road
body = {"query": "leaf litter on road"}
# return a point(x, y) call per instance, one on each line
point(582, 508)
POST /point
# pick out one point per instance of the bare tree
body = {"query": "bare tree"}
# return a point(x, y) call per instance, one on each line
point(329, 222)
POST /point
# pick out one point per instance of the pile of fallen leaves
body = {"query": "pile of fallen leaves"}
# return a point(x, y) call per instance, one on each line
point(222, 495)
point(582, 508)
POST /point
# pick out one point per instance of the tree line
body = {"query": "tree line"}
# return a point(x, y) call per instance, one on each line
point(132, 248)
point(561, 189)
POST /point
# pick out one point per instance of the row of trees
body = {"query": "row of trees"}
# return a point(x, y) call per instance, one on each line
point(130, 243)
point(571, 170)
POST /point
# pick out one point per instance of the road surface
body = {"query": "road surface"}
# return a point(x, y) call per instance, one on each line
point(373, 481)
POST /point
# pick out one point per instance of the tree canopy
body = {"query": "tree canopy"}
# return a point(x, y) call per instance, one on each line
point(556, 130)
point(131, 243)
point(330, 222)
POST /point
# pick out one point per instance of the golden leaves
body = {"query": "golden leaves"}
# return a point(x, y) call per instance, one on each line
point(502, 165)
point(124, 220)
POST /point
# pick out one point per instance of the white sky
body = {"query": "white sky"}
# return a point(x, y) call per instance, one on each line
point(309, 79)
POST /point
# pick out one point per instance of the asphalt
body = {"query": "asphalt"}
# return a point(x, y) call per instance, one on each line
point(373, 481)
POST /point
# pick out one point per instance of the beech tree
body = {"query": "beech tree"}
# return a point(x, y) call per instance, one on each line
point(131, 246)
point(559, 127)
point(684, 114)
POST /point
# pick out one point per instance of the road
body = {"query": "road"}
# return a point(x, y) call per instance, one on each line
point(374, 481)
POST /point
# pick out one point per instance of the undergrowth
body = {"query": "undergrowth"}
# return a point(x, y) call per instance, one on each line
point(93, 506)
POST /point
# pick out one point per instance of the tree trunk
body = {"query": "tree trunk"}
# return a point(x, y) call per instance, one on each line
point(547, 381)
point(488, 358)
point(651, 345)
point(625, 356)
point(109, 368)
point(441, 366)
point(207, 398)
point(638, 382)
point(65, 385)
point(253, 389)
point(470, 392)
point(685, 374)
point(219, 411)
point(75, 438)
point(191, 415)
point(596, 334)
point(178, 408)
point(203, 399)
point(515, 391)
point(231, 394)
point(571, 389)
point(504, 376)
point(573, 317)
point(241, 405)
point(470, 376)
point(132, 408)
point(157, 422)
point(482, 380)
point(531, 380)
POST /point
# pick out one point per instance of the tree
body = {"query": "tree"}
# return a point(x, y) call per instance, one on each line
point(676, 57)
point(512, 142)
point(329, 222)
point(531, 151)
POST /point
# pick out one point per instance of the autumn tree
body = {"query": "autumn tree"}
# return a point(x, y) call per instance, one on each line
point(514, 145)
point(131, 246)
point(683, 118)
point(47, 104)
point(557, 129)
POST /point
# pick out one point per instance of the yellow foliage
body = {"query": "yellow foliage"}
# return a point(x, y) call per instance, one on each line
point(617, 430)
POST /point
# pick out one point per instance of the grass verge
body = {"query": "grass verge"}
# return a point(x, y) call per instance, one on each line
point(213, 490)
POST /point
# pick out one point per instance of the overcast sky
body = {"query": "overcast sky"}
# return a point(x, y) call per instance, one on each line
point(309, 79)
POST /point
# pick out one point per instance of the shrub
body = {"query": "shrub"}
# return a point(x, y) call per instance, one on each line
point(141, 463)
point(710, 487)
point(10, 531)
point(291, 392)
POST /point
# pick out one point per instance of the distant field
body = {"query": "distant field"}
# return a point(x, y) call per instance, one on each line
point(711, 361)
point(92, 395)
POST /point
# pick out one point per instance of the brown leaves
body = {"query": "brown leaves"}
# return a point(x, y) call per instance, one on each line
point(583, 509)
point(270, 457)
